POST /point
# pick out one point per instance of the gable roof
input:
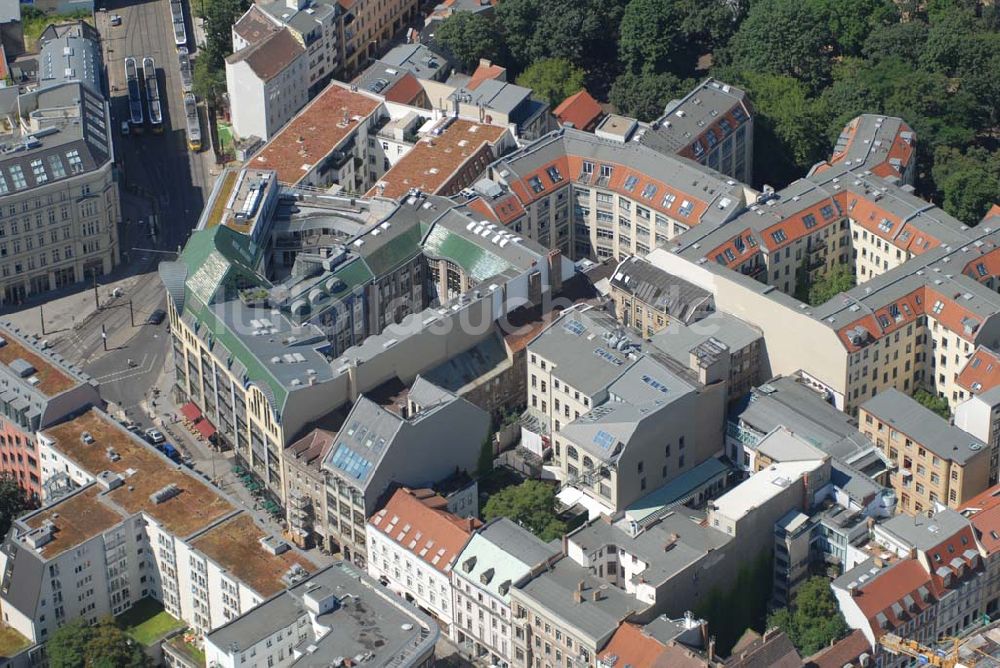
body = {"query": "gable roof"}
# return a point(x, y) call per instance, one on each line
point(269, 57)
point(579, 110)
point(417, 520)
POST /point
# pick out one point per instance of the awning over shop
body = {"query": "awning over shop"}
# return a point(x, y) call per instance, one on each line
point(190, 411)
point(205, 428)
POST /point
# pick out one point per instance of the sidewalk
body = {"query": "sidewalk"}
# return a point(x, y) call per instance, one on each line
point(166, 415)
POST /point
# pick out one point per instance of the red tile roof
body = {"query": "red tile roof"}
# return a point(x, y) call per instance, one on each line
point(569, 166)
point(269, 57)
point(890, 586)
point(435, 160)
point(632, 647)
point(255, 25)
point(417, 520)
point(983, 510)
point(314, 133)
point(845, 651)
point(981, 371)
point(485, 72)
point(406, 90)
point(579, 110)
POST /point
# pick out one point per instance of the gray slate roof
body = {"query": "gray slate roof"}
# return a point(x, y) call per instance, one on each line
point(923, 426)
point(552, 591)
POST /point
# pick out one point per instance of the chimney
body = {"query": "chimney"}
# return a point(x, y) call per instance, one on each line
point(854, 591)
point(554, 261)
point(578, 597)
point(580, 585)
point(711, 649)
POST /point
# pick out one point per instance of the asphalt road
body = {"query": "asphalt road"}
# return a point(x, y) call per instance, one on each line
point(164, 187)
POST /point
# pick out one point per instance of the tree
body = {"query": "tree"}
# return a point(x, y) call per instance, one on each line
point(13, 501)
point(786, 38)
point(644, 96)
point(852, 21)
point(220, 16)
point(897, 40)
point(969, 182)
point(530, 504)
point(552, 79)
point(933, 402)
point(208, 83)
point(103, 645)
point(790, 126)
point(470, 37)
point(649, 39)
point(814, 620)
point(826, 287)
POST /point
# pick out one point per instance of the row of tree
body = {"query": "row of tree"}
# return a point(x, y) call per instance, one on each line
point(809, 66)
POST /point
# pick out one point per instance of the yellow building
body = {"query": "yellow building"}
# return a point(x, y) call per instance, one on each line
point(935, 462)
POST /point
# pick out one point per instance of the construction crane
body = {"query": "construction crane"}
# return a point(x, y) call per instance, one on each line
point(925, 656)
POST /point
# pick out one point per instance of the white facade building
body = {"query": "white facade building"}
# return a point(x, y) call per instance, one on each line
point(412, 546)
point(267, 85)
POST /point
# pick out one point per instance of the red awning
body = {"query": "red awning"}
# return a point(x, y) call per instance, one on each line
point(190, 411)
point(205, 428)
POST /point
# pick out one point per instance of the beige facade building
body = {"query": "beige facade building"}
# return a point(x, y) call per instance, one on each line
point(935, 462)
point(59, 204)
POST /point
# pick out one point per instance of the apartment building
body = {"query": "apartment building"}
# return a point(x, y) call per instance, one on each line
point(426, 440)
point(320, 282)
point(923, 305)
point(305, 487)
point(935, 463)
point(413, 547)
point(795, 404)
point(648, 299)
point(930, 586)
point(496, 557)
point(37, 389)
point(316, 26)
point(326, 143)
point(267, 84)
point(133, 526)
point(718, 342)
point(982, 511)
point(60, 212)
point(712, 125)
point(448, 159)
point(591, 196)
point(607, 404)
point(565, 615)
point(331, 614)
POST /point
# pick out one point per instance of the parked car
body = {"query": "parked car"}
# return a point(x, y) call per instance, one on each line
point(116, 20)
point(156, 317)
point(154, 436)
point(126, 128)
point(171, 452)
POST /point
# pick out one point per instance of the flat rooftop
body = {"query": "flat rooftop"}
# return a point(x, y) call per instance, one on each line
point(76, 519)
point(762, 486)
point(51, 379)
point(314, 133)
point(144, 470)
point(235, 546)
point(434, 159)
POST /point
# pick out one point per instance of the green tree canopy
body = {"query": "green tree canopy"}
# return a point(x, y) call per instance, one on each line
point(814, 620)
point(103, 645)
point(552, 79)
point(933, 402)
point(470, 37)
point(969, 182)
point(531, 504)
point(649, 40)
point(13, 502)
point(786, 38)
point(207, 82)
point(852, 21)
point(644, 96)
point(837, 280)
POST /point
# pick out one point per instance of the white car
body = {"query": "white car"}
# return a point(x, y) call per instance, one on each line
point(126, 128)
point(154, 436)
point(116, 20)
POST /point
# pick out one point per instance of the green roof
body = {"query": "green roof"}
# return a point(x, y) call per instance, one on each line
point(211, 254)
point(389, 255)
point(475, 260)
